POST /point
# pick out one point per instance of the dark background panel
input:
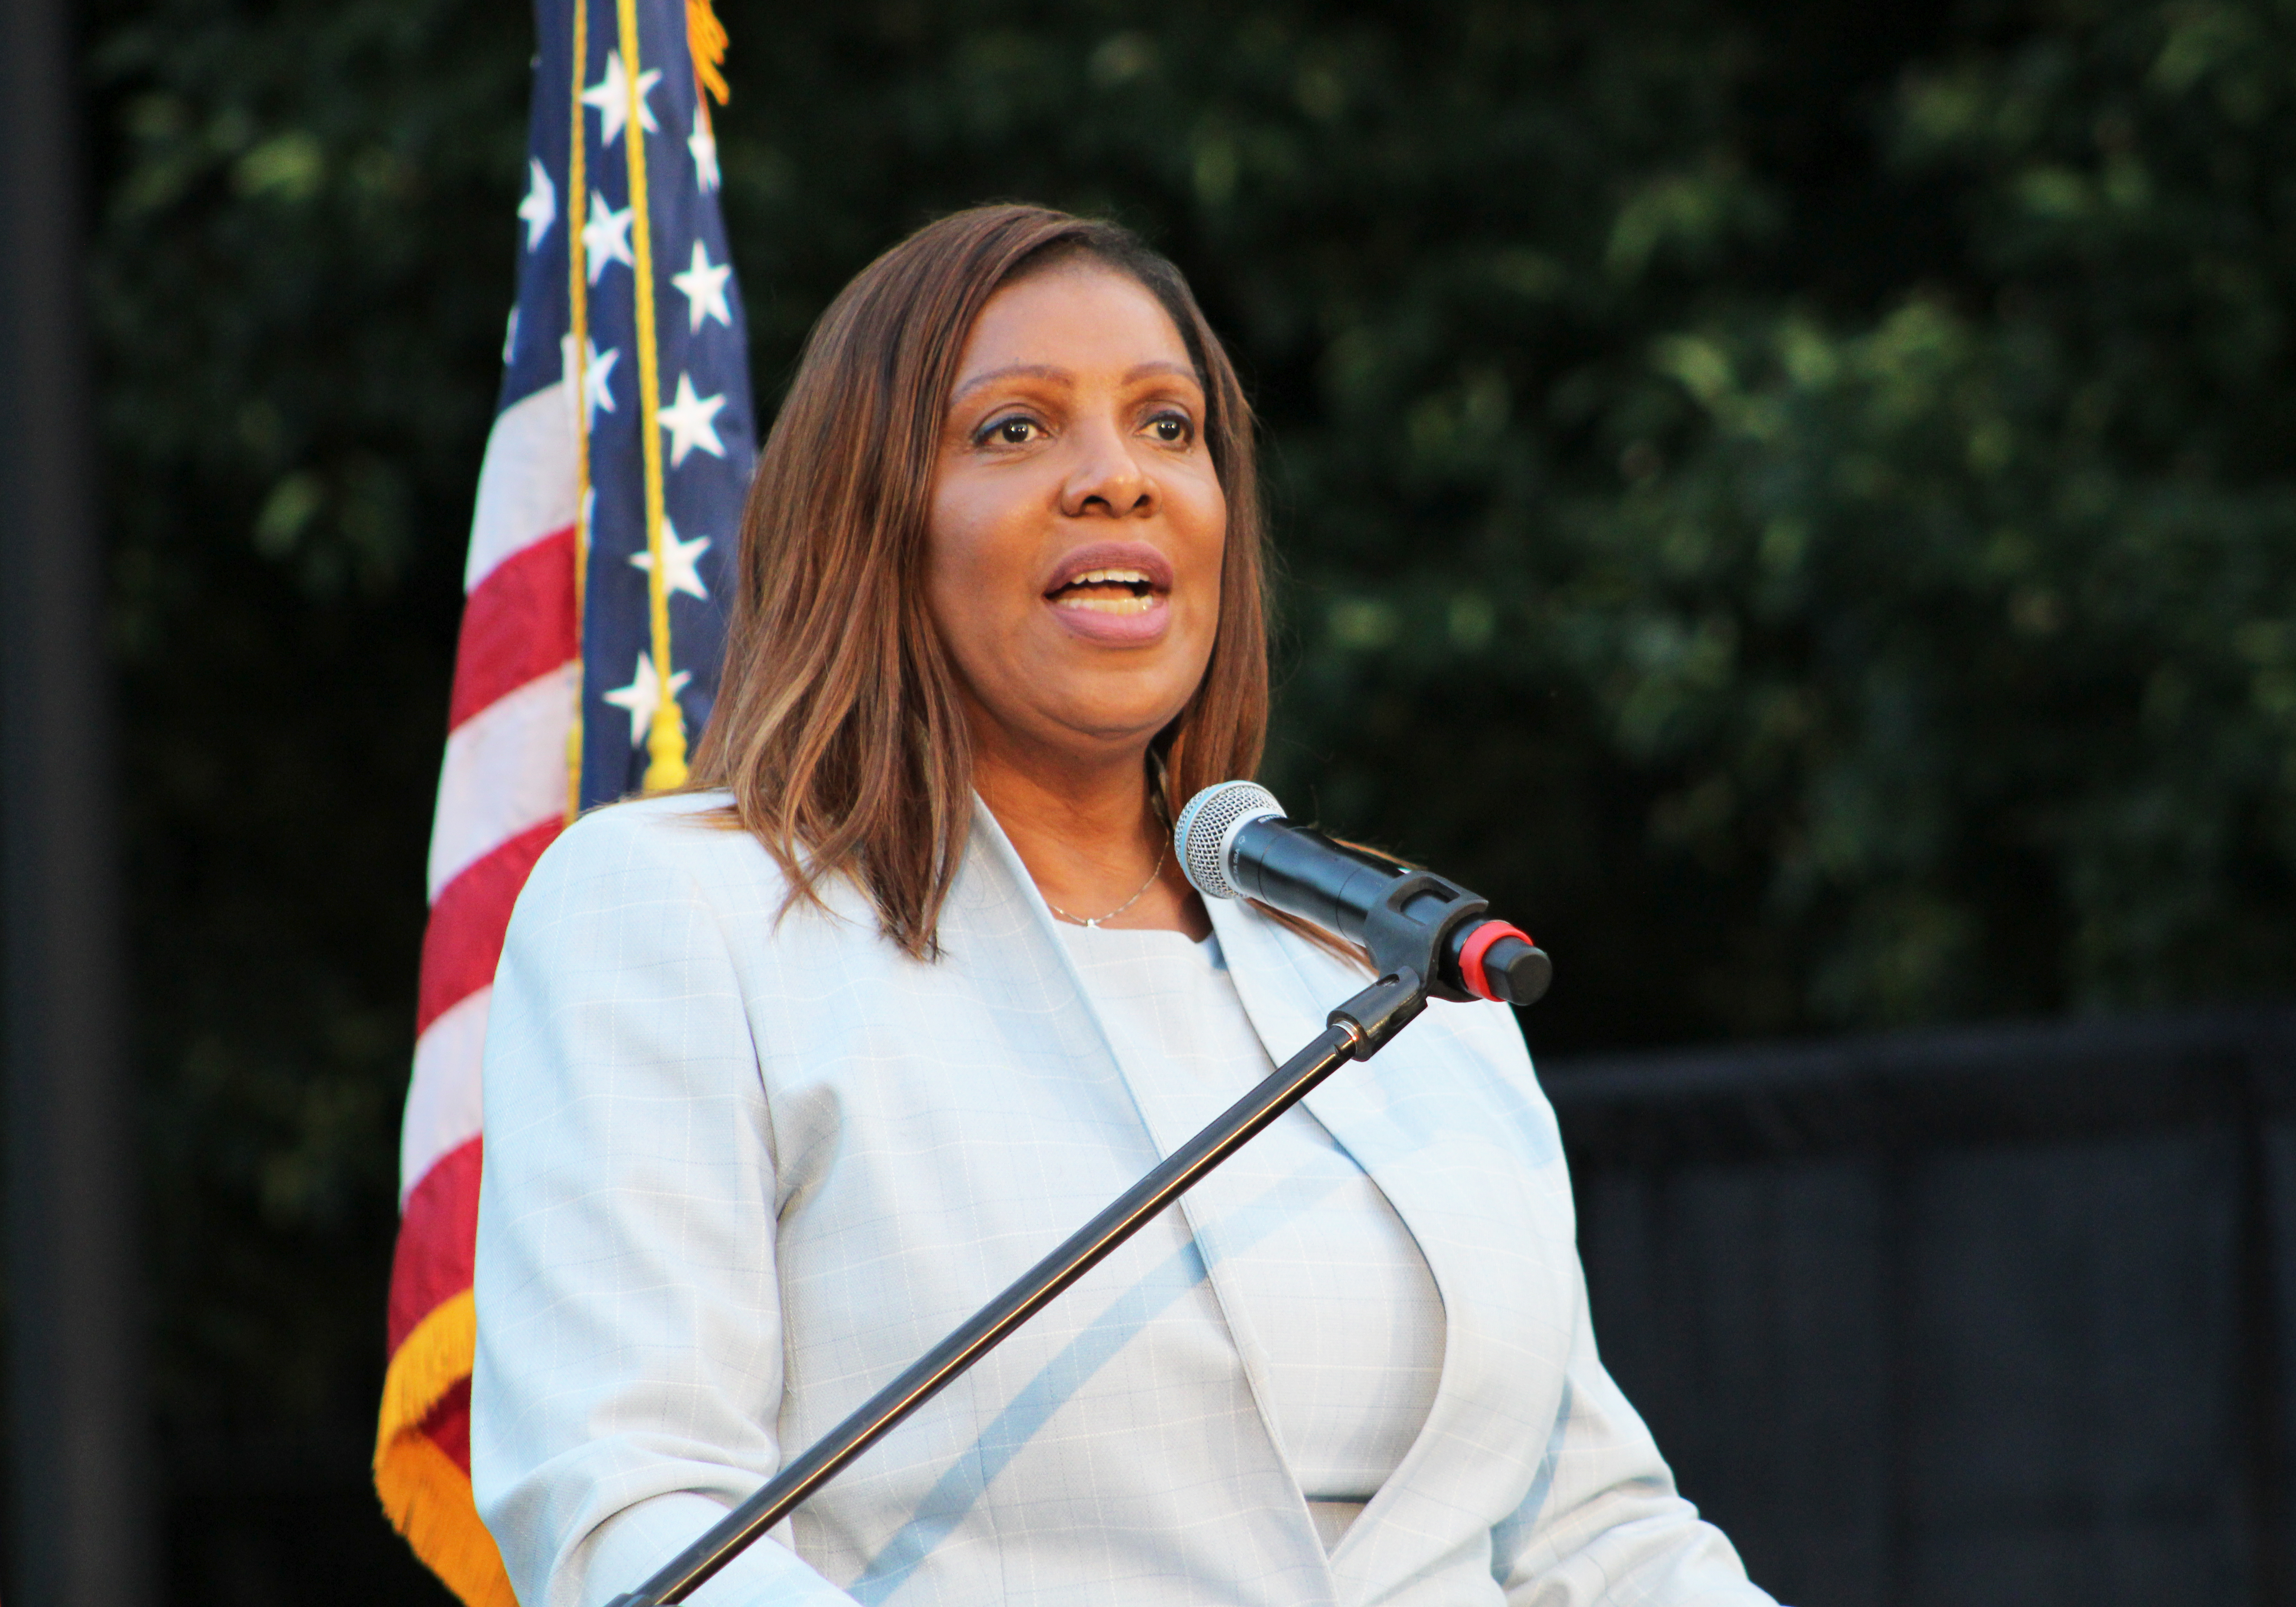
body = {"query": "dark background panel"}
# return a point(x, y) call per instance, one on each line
point(1746, 1312)
point(1947, 1357)
point(2071, 1356)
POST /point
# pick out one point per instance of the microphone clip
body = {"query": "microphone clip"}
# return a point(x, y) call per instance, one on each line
point(1428, 929)
point(1412, 923)
point(1406, 931)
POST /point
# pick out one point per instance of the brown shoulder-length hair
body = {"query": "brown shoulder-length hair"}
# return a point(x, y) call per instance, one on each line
point(837, 726)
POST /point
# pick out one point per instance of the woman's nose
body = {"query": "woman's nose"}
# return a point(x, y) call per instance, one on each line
point(1108, 478)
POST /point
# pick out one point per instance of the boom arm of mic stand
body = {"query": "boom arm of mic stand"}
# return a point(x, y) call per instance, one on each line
point(1359, 1029)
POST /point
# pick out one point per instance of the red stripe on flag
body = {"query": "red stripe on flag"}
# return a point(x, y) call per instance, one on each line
point(517, 625)
point(437, 1235)
point(464, 940)
point(448, 1425)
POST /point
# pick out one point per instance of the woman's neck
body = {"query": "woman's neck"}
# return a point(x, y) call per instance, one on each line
point(1092, 837)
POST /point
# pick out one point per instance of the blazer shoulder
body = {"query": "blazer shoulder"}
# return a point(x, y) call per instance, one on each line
point(686, 845)
point(696, 832)
point(688, 848)
point(1495, 1031)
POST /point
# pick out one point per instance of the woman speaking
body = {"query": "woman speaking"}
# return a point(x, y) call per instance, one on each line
point(789, 1073)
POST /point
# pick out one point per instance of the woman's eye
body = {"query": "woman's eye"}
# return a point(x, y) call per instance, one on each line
point(1172, 429)
point(1015, 432)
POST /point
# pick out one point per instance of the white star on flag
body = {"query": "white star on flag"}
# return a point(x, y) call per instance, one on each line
point(643, 696)
point(691, 421)
point(703, 286)
point(678, 561)
point(703, 144)
point(540, 207)
point(597, 380)
point(606, 237)
point(611, 95)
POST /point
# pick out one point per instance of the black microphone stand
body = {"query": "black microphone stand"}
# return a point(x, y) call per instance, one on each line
point(1357, 1030)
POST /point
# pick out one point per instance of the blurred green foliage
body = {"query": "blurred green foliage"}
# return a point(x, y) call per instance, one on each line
point(1791, 499)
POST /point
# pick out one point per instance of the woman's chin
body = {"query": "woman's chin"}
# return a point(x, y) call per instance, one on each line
point(1126, 625)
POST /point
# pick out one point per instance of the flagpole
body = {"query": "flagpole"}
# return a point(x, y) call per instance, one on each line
point(79, 1511)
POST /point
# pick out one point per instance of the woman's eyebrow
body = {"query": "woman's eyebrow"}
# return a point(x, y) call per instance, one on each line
point(1062, 376)
point(1033, 371)
point(1183, 370)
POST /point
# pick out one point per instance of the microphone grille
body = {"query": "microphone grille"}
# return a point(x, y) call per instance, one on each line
point(1208, 824)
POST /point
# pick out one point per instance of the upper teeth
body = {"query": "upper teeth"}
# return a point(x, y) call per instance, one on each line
point(1111, 577)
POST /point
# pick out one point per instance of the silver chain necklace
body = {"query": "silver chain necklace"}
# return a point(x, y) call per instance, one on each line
point(1094, 920)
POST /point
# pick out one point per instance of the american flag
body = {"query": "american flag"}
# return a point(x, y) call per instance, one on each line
point(591, 628)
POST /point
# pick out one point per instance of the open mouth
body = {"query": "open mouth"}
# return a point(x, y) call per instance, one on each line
point(1116, 590)
point(1117, 594)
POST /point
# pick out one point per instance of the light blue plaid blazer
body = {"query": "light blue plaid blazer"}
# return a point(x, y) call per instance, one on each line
point(741, 1172)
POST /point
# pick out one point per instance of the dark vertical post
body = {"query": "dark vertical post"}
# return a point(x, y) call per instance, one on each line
point(76, 1396)
point(1898, 1170)
point(2260, 1390)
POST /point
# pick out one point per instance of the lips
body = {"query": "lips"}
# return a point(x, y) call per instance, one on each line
point(1115, 592)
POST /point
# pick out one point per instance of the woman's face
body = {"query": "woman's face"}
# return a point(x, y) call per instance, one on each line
point(1073, 560)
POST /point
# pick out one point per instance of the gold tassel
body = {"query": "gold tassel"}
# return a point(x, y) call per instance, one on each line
point(705, 39)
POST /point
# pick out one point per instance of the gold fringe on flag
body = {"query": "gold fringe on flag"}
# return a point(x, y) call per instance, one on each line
point(426, 1495)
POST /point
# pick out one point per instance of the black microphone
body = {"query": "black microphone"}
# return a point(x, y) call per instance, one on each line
point(1233, 842)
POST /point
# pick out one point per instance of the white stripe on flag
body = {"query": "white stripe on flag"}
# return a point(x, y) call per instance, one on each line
point(444, 1103)
point(505, 773)
point(526, 483)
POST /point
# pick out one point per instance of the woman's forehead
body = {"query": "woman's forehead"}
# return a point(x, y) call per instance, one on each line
point(1081, 319)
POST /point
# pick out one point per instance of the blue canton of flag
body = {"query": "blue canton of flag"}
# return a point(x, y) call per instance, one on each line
point(627, 296)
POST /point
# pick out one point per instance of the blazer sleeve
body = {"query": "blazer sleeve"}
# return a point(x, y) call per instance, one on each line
point(1603, 1523)
point(629, 1373)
